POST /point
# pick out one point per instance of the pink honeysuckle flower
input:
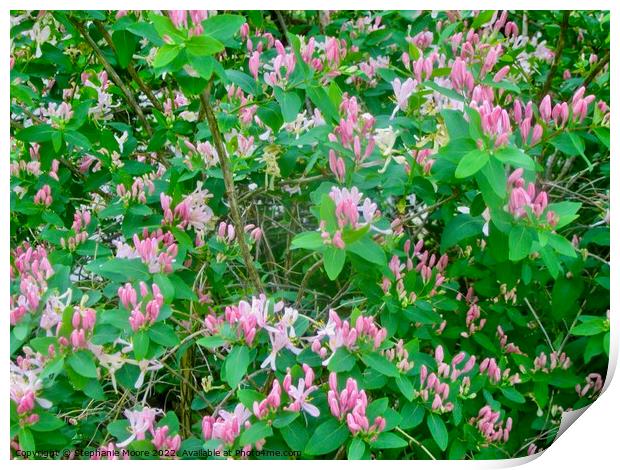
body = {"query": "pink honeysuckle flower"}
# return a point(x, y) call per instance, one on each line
point(300, 396)
point(402, 91)
point(139, 423)
point(280, 339)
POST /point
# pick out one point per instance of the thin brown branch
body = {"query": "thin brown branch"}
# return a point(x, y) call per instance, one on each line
point(113, 75)
point(596, 70)
point(558, 54)
point(131, 70)
point(230, 189)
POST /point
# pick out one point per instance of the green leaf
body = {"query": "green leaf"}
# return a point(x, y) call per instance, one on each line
point(166, 54)
point(471, 163)
point(290, 104)
point(562, 245)
point(460, 228)
point(413, 414)
point(369, 250)
point(83, 363)
point(295, 435)
point(388, 440)
point(327, 437)
point(483, 17)
point(164, 27)
point(211, 342)
point(200, 46)
point(125, 45)
point(223, 26)
point(495, 176)
point(438, 430)
point(591, 327)
point(405, 387)
point(513, 394)
point(271, 115)
point(38, 133)
point(308, 240)
point(203, 65)
point(140, 344)
point(119, 269)
point(284, 418)
point(356, 449)
point(379, 363)
point(47, 422)
point(321, 100)
point(236, 365)
point(163, 334)
point(515, 157)
point(26, 440)
point(520, 243)
point(341, 361)
point(254, 433)
point(333, 261)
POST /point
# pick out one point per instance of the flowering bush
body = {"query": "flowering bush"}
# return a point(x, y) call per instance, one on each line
point(322, 234)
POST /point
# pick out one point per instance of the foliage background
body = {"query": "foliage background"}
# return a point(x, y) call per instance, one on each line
point(545, 285)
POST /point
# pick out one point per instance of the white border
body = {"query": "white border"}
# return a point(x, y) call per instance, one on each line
point(592, 443)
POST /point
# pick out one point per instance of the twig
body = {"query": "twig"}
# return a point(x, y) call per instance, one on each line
point(306, 278)
point(415, 441)
point(230, 188)
point(131, 70)
point(558, 54)
point(112, 73)
point(539, 324)
point(281, 26)
point(601, 64)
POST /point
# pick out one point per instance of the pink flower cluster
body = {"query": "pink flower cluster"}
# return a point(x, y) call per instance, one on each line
point(488, 425)
point(25, 385)
point(341, 334)
point(154, 302)
point(139, 189)
point(462, 80)
point(140, 421)
point(81, 219)
point(271, 403)
point(282, 67)
point(594, 383)
point(489, 367)
point(354, 130)
point(226, 232)
point(43, 196)
point(33, 269)
point(495, 122)
point(561, 361)
point(522, 199)
point(159, 259)
point(300, 394)
point(83, 322)
point(509, 348)
point(579, 104)
point(424, 265)
point(179, 20)
point(164, 442)
point(227, 426)
point(401, 355)
point(192, 211)
point(432, 383)
point(473, 320)
point(205, 151)
point(249, 318)
point(422, 158)
point(350, 404)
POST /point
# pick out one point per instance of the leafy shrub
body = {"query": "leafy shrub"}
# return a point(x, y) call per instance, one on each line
point(337, 235)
